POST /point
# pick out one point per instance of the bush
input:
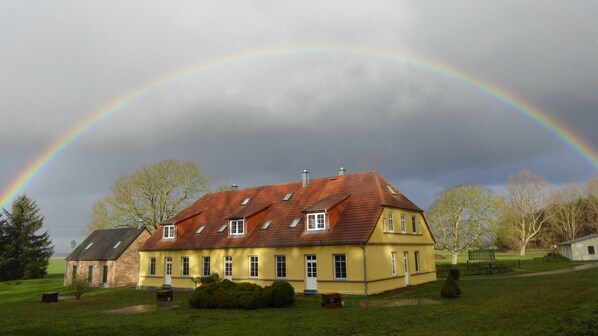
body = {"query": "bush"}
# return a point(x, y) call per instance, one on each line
point(78, 285)
point(230, 295)
point(450, 288)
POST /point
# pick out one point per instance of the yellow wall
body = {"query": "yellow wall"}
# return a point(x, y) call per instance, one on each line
point(377, 255)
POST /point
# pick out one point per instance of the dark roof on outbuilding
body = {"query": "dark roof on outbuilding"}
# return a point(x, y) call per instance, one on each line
point(102, 244)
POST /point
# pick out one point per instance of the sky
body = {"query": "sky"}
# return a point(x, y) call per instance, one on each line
point(430, 94)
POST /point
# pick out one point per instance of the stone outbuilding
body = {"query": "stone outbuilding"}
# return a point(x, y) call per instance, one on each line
point(109, 258)
point(581, 249)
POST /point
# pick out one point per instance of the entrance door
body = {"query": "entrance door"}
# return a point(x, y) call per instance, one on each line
point(168, 273)
point(311, 273)
point(228, 268)
point(406, 267)
point(105, 275)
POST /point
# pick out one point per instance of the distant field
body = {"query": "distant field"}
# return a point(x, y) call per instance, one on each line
point(560, 304)
point(56, 265)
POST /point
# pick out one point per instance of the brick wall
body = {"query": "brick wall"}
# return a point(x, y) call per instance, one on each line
point(126, 270)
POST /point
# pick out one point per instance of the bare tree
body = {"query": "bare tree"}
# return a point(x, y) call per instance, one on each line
point(526, 198)
point(462, 216)
point(567, 211)
point(592, 198)
point(149, 196)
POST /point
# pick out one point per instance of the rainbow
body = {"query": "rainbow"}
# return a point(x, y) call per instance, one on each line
point(509, 99)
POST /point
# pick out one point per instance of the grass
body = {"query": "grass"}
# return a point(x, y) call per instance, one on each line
point(561, 304)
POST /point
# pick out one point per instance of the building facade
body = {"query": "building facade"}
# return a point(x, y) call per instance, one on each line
point(580, 249)
point(352, 233)
point(108, 258)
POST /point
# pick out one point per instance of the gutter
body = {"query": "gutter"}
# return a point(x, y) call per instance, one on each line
point(365, 277)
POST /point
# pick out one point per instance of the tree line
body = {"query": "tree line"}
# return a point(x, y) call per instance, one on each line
point(528, 212)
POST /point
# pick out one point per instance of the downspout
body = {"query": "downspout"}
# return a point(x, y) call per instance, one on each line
point(365, 277)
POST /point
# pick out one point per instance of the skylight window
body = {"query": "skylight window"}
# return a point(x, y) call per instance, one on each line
point(222, 228)
point(287, 197)
point(200, 229)
point(246, 201)
point(295, 222)
point(391, 190)
point(266, 224)
point(115, 246)
point(88, 246)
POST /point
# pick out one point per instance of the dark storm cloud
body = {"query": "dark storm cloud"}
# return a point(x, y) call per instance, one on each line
point(263, 120)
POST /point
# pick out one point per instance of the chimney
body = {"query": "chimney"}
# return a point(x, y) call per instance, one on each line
point(234, 187)
point(305, 178)
point(341, 171)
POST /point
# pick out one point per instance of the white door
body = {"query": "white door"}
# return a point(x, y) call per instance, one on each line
point(406, 267)
point(311, 273)
point(228, 268)
point(168, 271)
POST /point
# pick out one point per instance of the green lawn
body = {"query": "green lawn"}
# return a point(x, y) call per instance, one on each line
point(563, 304)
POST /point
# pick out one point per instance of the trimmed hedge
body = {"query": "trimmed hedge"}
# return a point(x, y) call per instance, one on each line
point(231, 295)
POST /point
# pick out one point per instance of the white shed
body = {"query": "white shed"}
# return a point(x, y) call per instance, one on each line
point(580, 249)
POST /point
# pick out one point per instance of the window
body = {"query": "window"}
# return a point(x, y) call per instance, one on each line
point(340, 267)
point(253, 267)
point(152, 270)
point(403, 226)
point(391, 222)
point(287, 197)
point(222, 228)
point(266, 224)
point(74, 272)
point(416, 261)
point(295, 222)
point(228, 267)
point(89, 275)
point(201, 228)
point(316, 221)
point(185, 262)
point(206, 266)
point(391, 190)
point(115, 246)
point(413, 224)
point(88, 246)
point(393, 263)
point(168, 231)
point(591, 250)
point(245, 201)
point(237, 227)
point(281, 266)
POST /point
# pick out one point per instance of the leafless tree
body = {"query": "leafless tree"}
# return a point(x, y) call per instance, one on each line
point(567, 211)
point(527, 196)
point(149, 196)
point(461, 216)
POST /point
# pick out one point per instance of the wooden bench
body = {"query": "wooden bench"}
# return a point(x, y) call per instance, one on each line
point(50, 297)
point(164, 295)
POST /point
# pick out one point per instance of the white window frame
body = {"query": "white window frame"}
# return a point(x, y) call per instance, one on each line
point(253, 267)
point(185, 266)
point(237, 227)
point(205, 261)
point(340, 266)
point(403, 223)
point(228, 267)
point(416, 257)
point(316, 221)
point(281, 267)
point(391, 222)
point(152, 266)
point(393, 263)
point(169, 231)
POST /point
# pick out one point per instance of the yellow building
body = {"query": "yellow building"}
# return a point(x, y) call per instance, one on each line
point(351, 233)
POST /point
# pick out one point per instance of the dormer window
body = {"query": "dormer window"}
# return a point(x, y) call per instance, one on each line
point(316, 221)
point(237, 227)
point(169, 231)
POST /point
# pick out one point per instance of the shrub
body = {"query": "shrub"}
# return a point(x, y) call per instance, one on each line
point(230, 295)
point(78, 285)
point(450, 288)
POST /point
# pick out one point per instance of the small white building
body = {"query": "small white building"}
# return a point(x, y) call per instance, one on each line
point(581, 249)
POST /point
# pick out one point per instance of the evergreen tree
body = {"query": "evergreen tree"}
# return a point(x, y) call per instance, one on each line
point(23, 253)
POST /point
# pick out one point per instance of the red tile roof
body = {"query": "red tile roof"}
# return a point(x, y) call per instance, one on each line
point(356, 199)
